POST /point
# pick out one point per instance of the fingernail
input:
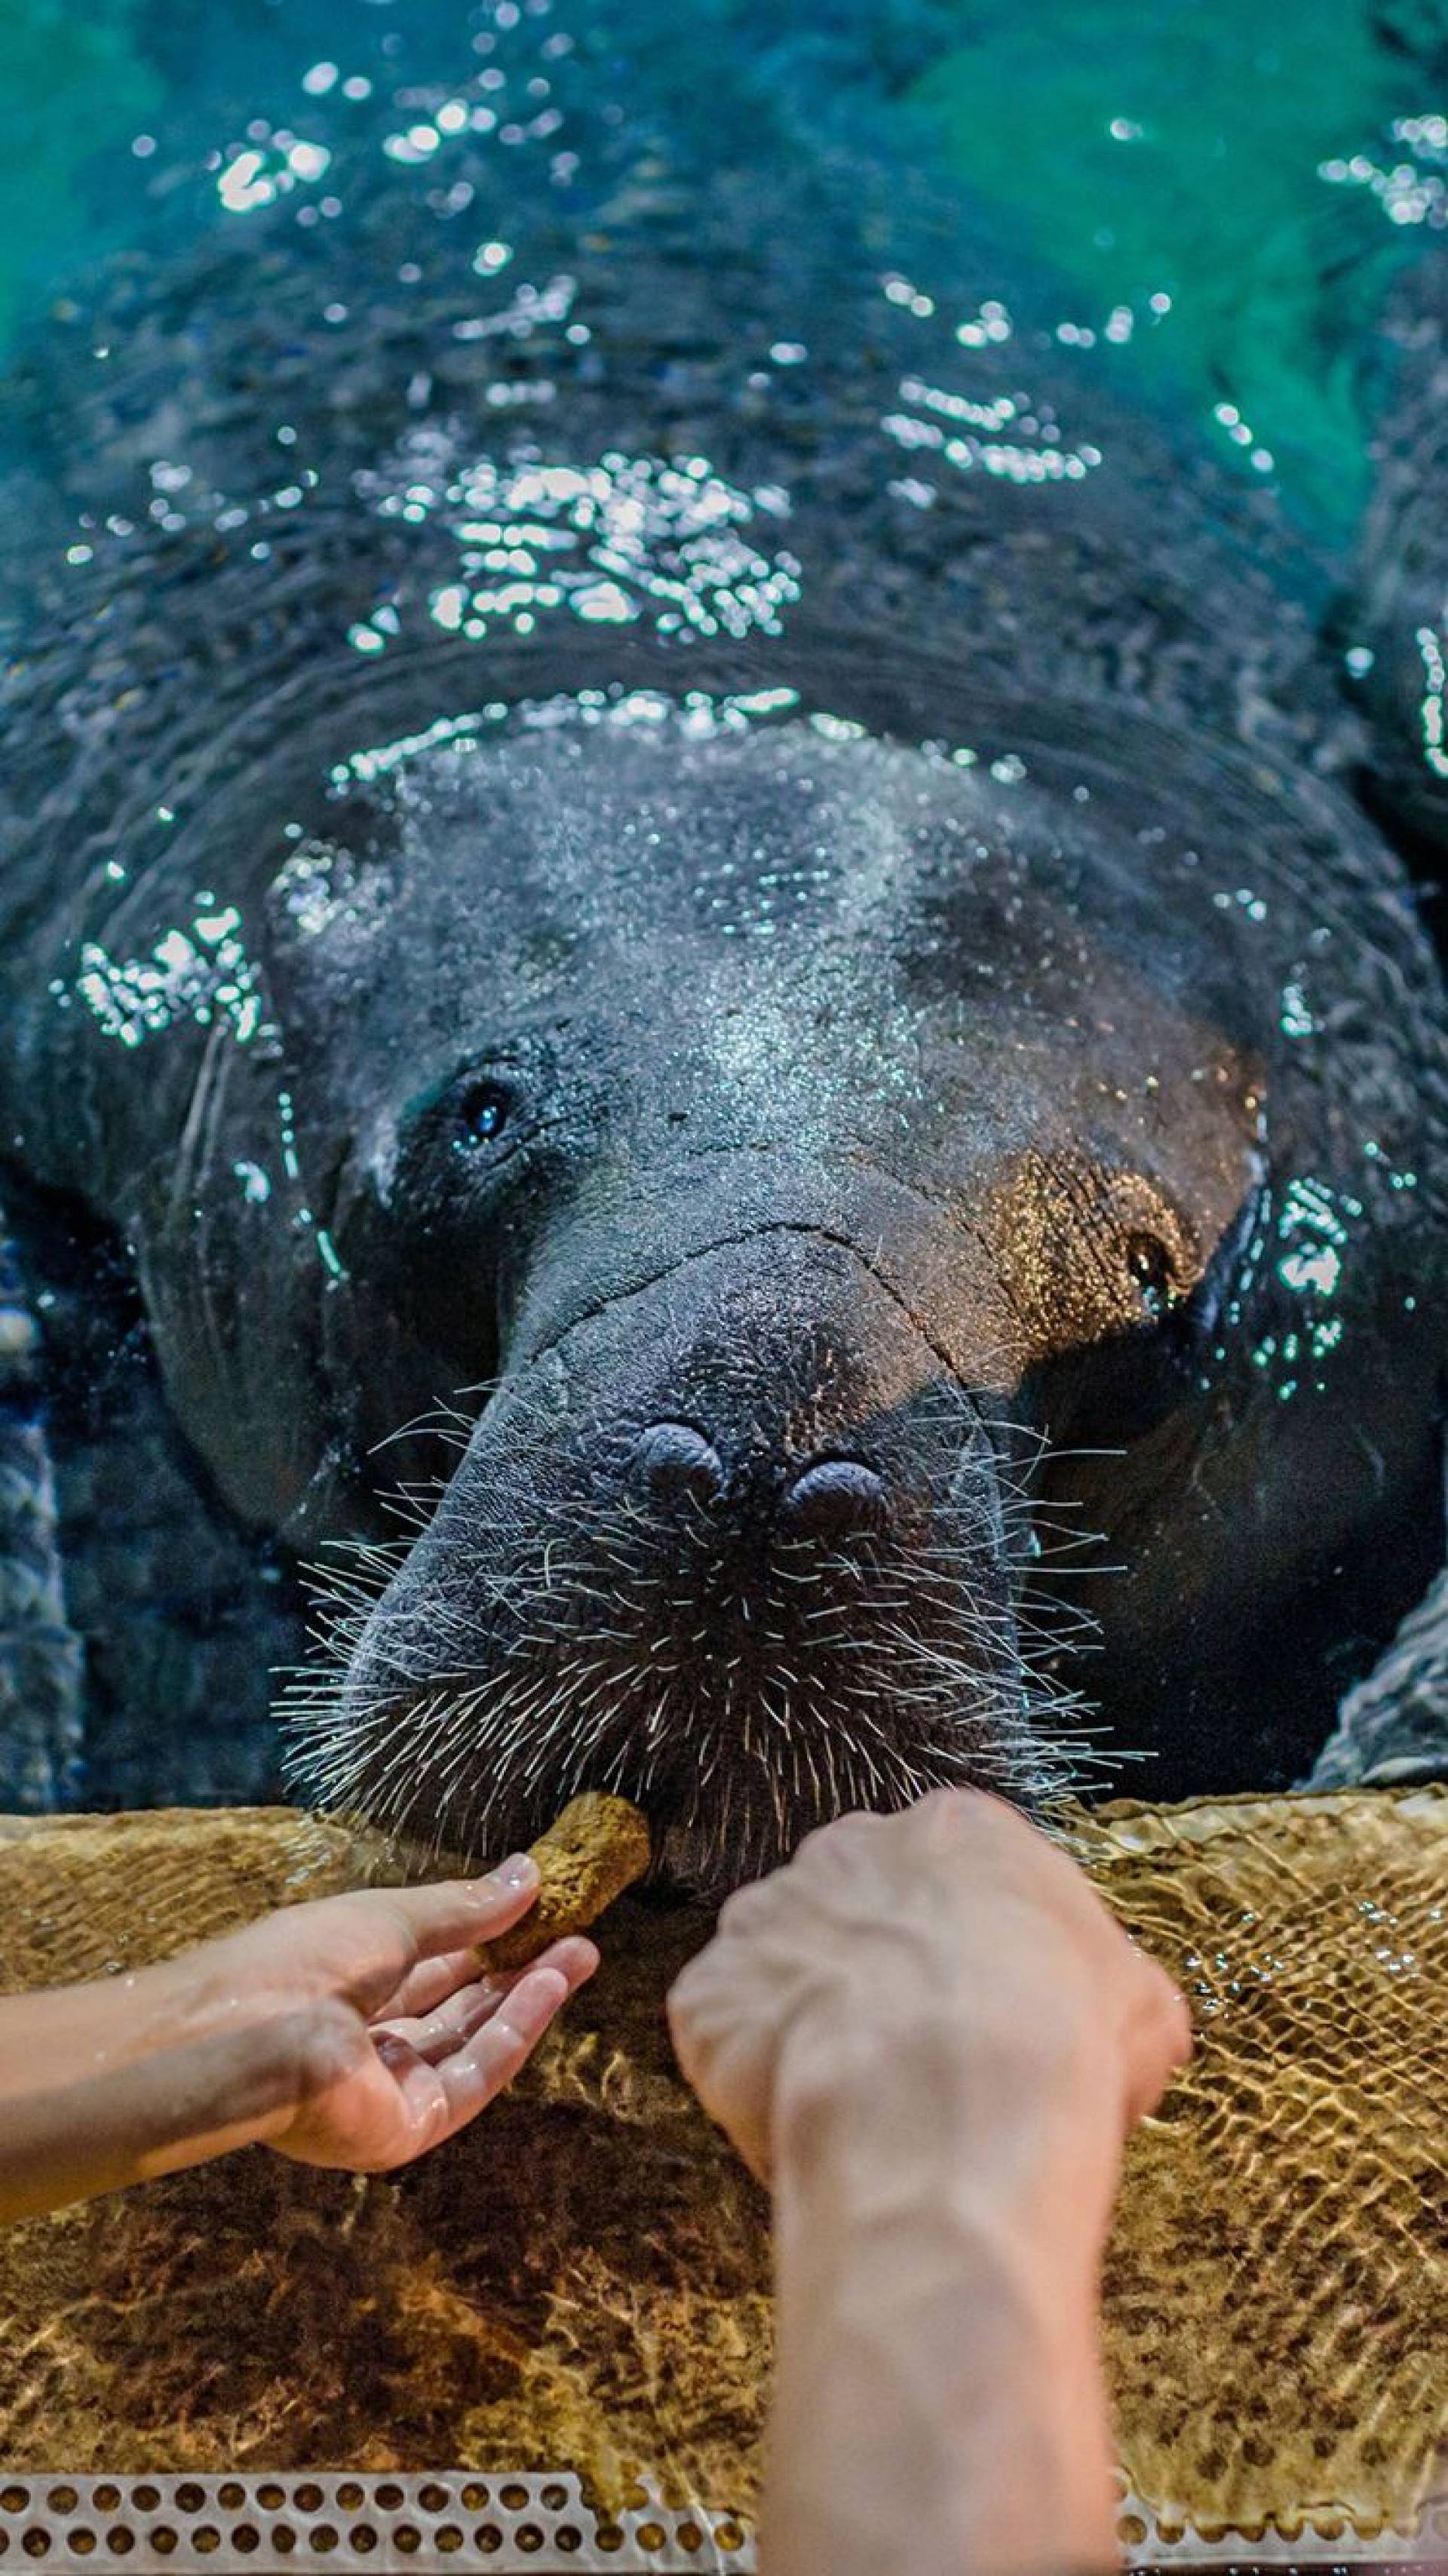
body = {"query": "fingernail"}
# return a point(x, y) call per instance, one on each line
point(520, 1871)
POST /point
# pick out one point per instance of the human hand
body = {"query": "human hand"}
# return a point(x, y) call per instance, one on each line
point(929, 2035)
point(949, 1959)
point(354, 2031)
point(387, 2037)
point(367, 2025)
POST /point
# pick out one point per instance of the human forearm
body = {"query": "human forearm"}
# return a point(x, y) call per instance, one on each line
point(929, 2036)
point(939, 2405)
point(107, 2084)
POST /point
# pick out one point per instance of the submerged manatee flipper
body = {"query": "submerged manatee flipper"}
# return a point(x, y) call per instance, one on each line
point(139, 1621)
point(41, 1660)
point(1394, 1726)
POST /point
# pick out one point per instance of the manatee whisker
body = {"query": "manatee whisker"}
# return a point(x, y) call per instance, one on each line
point(438, 1420)
point(617, 1653)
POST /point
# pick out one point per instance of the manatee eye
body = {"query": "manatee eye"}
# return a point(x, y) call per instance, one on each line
point(483, 1113)
point(1152, 1268)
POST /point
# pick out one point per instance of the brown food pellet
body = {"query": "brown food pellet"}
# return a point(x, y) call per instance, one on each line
point(595, 1849)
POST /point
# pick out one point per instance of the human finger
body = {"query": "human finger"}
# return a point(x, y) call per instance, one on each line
point(1159, 2039)
point(430, 1983)
point(475, 2073)
point(365, 1946)
point(431, 2035)
point(435, 2035)
point(428, 2103)
point(453, 1912)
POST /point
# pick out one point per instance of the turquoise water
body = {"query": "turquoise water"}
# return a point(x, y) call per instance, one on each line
point(1222, 196)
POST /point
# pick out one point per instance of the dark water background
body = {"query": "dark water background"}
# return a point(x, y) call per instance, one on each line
point(1222, 193)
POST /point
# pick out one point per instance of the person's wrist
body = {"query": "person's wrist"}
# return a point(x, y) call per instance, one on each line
point(923, 2240)
point(928, 2102)
point(256, 2053)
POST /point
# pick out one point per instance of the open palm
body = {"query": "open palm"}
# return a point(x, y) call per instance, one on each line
point(400, 2036)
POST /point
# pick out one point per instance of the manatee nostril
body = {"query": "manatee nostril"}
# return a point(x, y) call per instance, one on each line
point(675, 1462)
point(836, 1499)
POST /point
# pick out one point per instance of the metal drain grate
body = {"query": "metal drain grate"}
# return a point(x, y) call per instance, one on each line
point(1323, 2539)
point(454, 2521)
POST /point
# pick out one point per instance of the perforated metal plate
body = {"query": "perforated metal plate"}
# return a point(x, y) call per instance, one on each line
point(454, 2521)
point(1323, 2539)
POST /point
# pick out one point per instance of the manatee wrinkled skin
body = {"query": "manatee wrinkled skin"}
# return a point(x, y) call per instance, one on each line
point(695, 970)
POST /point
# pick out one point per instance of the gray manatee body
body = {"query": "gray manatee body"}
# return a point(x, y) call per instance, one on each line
point(691, 969)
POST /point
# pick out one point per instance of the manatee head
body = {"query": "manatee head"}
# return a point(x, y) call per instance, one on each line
point(828, 1202)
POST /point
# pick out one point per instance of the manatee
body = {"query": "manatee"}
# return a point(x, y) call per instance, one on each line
point(711, 1003)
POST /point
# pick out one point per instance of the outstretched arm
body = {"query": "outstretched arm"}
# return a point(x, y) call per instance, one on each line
point(931, 2037)
point(356, 2031)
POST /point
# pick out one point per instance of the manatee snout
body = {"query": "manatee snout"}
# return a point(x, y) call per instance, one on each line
point(737, 1542)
